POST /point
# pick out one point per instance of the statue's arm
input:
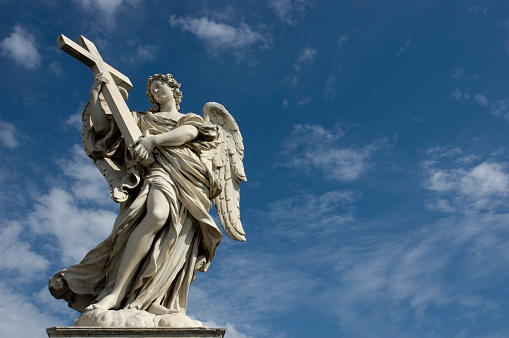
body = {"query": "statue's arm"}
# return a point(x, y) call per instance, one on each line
point(173, 138)
point(100, 121)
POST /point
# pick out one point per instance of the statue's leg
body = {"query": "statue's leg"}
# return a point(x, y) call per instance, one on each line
point(138, 245)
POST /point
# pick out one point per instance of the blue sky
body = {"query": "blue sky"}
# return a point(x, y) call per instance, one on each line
point(376, 155)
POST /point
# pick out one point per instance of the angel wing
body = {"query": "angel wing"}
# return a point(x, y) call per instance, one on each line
point(226, 162)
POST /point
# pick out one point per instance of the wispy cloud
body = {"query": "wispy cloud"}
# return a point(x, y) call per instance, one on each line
point(498, 108)
point(306, 56)
point(218, 35)
point(20, 46)
point(20, 317)
point(310, 215)
point(258, 286)
point(466, 184)
point(458, 94)
point(313, 146)
point(19, 260)
point(8, 135)
point(343, 40)
point(395, 278)
point(107, 8)
point(405, 47)
point(63, 216)
point(289, 11)
point(144, 53)
point(330, 87)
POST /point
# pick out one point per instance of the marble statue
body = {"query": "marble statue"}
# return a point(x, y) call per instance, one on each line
point(165, 182)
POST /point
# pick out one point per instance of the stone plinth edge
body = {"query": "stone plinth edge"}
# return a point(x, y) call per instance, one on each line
point(125, 332)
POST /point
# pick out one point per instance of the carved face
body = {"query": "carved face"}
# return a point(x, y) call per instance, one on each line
point(161, 91)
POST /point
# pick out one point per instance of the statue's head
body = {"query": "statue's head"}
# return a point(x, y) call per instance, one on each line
point(172, 83)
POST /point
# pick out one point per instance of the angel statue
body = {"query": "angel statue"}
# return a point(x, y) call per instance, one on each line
point(165, 183)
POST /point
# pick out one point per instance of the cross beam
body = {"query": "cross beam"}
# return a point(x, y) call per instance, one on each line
point(86, 52)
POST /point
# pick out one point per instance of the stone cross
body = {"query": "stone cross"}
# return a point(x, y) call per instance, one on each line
point(86, 52)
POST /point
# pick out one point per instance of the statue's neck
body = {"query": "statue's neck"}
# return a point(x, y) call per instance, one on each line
point(169, 107)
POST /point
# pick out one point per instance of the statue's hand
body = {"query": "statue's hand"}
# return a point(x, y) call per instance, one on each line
point(99, 79)
point(143, 148)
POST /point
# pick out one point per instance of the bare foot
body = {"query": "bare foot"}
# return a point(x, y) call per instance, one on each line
point(109, 302)
point(158, 309)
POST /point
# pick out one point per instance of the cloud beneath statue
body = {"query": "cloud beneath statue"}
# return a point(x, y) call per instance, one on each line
point(20, 46)
point(218, 35)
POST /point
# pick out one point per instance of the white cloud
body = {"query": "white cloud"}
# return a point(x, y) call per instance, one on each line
point(20, 317)
point(218, 35)
point(483, 180)
point(8, 135)
point(75, 121)
point(107, 8)
point(77, 229)
point(498, 108)
point(458, 74)
point(289, 11)
point(144, 53)
point(306, 56)
point(462, 184)
point(309, 215)
point(390, 281)
point(20, 46)
point(231, 330)
point(18, 258)
point(458, 94)
point(78, 217)
point(441, 152)
point(250, 286)
point(313, 146)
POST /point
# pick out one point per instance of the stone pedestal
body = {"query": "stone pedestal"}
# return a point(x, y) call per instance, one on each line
point(124, 332)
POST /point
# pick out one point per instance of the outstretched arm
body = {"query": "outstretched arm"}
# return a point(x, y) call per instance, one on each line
point(99, 118)
point(176, 137)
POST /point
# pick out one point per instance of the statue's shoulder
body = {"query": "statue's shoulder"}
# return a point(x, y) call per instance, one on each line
point(191, 117)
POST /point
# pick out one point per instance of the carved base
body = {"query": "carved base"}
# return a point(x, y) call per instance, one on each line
point(114, 332)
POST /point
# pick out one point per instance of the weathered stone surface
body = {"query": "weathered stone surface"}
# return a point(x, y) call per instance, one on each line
point(91, 332)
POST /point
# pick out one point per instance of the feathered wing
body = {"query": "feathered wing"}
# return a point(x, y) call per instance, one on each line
point(226, 162)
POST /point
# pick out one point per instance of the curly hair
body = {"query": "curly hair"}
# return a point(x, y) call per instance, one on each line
point(172, 83)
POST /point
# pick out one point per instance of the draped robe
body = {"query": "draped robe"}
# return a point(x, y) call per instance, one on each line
point(167, 271)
